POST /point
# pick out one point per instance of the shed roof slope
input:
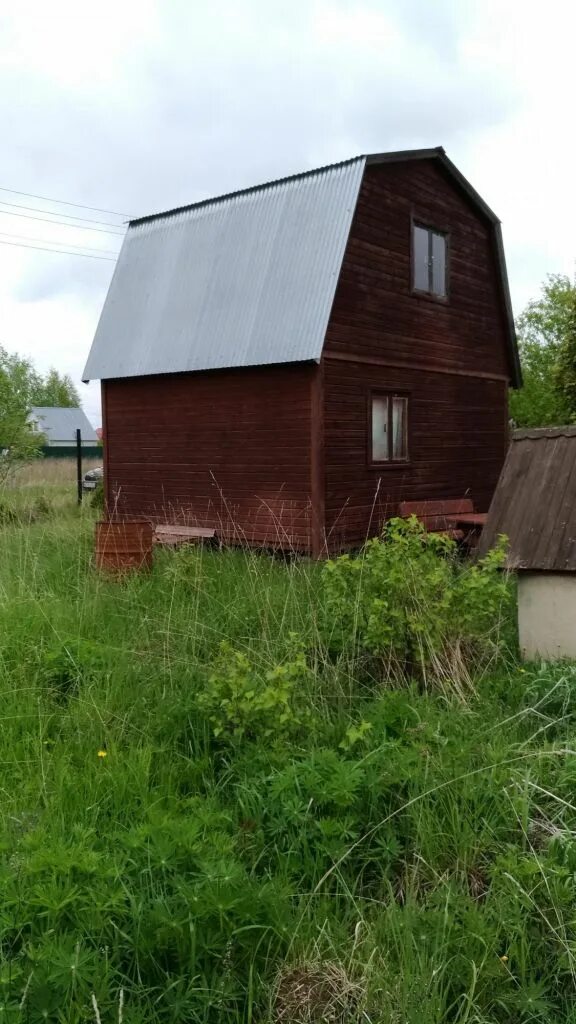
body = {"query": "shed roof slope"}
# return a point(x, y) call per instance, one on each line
point(243, 280)
point(59, 423)
point(535, 501)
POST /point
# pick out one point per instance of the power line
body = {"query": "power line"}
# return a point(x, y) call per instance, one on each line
point(79, 227)
point(52, 241)
point(71, 216)
point(63, 202)
point(63, 252)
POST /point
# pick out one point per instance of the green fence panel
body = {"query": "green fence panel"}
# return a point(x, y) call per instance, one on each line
point(69, 452)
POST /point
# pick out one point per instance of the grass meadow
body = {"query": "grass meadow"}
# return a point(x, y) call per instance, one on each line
point(218, 804)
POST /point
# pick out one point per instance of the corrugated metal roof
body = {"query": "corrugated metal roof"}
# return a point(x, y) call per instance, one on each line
point(535, 501)
point(243, 280)
point(61, 424)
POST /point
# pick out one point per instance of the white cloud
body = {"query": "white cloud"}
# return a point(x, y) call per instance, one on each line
point(139, 105)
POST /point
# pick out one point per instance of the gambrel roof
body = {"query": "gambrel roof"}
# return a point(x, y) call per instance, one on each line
point(244, 279)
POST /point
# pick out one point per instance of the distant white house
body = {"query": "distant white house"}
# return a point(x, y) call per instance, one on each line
point(59, 426)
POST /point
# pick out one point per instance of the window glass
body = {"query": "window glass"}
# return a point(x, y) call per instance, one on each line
point(389, 428)
point(429, 261)
point(380, 429)
point(399, 428)
point(438, 264)
point(421, 258)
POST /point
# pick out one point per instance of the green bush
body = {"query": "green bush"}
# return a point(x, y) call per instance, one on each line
point(244, 702)
point(410, 602)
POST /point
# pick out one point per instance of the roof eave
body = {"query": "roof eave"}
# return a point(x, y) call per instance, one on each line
point(516, 369)
point(311, 361)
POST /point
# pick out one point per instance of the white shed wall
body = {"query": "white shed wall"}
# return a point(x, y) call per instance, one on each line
point(547, 615)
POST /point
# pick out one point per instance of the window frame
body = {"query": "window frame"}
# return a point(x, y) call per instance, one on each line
point(418, 222)
point(390, 463)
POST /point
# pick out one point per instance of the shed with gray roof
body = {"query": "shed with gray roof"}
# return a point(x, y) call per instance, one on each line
point(534, 506)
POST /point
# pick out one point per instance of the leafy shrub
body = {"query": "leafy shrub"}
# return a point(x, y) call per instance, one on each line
point(241, 701)
point(408, 601)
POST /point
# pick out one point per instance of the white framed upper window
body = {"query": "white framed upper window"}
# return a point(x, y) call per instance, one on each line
point(429, 261)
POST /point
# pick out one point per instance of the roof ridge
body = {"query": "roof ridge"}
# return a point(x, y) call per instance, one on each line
point(390, 156)
point(245, 191)
point(75, 407)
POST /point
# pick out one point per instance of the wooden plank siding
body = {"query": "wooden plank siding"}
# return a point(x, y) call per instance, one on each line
point(449, 356)
point(457, 444)
point(228, 450)
point(375, 312)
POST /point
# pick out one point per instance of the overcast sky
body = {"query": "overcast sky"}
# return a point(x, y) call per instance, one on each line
point(138, 106)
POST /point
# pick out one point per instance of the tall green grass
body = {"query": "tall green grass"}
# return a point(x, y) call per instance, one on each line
point(357, 850)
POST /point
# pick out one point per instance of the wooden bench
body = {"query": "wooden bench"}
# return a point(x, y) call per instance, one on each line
point(172, 536)
point(436, 515)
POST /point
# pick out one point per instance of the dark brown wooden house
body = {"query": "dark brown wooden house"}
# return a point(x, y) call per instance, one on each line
point(288, 363)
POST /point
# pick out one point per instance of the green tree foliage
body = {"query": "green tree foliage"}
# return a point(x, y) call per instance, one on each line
point(56, 390)
point(30, 387)
point(17, 440)
point(565, 370)
point(21, 386)
point(542, 329)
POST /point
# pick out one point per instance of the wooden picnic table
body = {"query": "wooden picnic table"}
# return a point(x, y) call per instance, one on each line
point(474, 520)
point(470, 525)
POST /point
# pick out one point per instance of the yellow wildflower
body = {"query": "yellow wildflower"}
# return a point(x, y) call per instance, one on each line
point(102, 753)
point(504, 959)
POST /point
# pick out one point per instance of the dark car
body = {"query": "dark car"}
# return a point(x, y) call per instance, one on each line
point(92, 478)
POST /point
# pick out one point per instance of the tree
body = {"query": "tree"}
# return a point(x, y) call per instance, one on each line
point(21, 387)
point(18, 442)
point(55, 390)
point(565, 369)
point(31, 388)
point(542, 329)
